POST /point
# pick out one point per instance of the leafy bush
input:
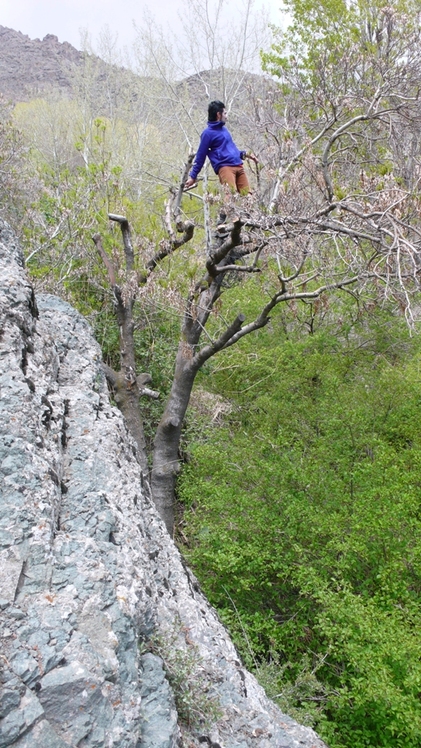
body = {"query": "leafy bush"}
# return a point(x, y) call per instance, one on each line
point(303, 524)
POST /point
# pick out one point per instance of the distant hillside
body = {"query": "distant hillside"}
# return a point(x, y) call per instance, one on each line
point(30, 67)
point(33, 68)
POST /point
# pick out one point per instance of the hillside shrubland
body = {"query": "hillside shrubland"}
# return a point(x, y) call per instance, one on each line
point(301, 519)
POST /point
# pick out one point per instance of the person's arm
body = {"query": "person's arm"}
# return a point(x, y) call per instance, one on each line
point(249, 156)
point(201, 154)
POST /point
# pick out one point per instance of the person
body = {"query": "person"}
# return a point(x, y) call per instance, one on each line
point(227, 160)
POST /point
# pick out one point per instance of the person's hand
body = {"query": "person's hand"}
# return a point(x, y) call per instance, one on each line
point(252, 157)
point(189, 183)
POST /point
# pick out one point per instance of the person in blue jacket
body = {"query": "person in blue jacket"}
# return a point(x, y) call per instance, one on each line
point(216, 143)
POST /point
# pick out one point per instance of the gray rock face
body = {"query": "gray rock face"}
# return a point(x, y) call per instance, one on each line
point(37, 68)
point(95, 600)
point(30, 67)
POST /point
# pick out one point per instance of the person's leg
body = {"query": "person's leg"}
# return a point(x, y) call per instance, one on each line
point(226, 175)
point(242, 183)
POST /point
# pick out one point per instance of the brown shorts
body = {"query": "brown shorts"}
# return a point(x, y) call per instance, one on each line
point(235, 177)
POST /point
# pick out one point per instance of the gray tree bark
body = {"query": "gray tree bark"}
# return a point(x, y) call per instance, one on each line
point(125, 383)
point(189, 360)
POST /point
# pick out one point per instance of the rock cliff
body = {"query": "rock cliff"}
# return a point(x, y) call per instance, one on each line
point(107, 639)
point(37, 68)
point(30, 67)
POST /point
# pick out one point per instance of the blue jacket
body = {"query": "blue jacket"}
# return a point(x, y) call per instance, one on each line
point(217, 143)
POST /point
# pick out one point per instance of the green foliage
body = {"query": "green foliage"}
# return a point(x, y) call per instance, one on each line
point(302, 510)
point(347, 62)
point(327, 39)
point(302, 516)
point(11, 172)
point(78, 170)
point(301, 695)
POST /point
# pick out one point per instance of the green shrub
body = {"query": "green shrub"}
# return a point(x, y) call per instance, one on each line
point(303, 524)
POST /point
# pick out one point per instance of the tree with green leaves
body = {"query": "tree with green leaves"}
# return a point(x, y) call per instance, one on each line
point(320, 584)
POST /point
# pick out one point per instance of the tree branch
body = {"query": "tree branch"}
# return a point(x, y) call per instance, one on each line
point(221, 252)
point(127, 240)
point(106, 260)
point(171, 245)
point(282, 296)
point(282, 172)
point(237, 268)
point(210, 350)
point(180, 191)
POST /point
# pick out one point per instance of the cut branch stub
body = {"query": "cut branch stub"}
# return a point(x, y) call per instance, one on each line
point(147, 392)
point(127, 239)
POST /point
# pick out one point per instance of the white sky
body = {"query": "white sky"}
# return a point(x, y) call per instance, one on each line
point(66, 19)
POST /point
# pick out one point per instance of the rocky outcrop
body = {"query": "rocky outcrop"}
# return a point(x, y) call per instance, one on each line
point(30, 67)
point(38, 68)
point(107, 639)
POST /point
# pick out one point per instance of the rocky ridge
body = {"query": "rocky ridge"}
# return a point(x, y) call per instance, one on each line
point(38, 68)
point(97, 607)
point(30, 67)
point(34, 68)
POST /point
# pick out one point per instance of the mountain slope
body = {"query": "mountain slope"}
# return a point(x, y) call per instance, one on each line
point(30, 67)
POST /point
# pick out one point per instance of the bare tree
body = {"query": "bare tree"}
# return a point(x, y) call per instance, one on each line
point(212, 58)
point(304, 255)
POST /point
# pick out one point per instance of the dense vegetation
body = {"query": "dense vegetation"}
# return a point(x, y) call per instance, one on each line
point(298, 502)
point(302, 521)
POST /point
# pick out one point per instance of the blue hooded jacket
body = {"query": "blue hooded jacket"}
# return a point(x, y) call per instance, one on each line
point(217, 143)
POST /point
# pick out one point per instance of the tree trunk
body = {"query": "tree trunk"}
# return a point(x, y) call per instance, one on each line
point(127, 396)
point(124, 382)
point(189, 359)
point(166, 464)
point(127, 390)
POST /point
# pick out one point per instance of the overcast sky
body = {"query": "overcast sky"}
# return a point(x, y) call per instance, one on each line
point(67, 18)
